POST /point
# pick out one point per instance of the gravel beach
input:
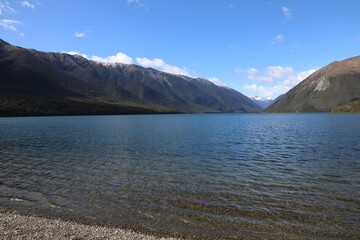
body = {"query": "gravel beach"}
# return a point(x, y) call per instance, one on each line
point(17, 226)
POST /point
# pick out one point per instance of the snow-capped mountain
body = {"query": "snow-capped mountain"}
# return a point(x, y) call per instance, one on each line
point(263, 102)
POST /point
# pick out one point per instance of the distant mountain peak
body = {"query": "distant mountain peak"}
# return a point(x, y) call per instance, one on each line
point(263, 102)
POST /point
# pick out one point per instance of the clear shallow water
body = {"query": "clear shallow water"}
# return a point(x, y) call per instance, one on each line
point(212, 176)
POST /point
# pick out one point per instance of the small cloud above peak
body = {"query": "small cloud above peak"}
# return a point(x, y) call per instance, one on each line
point(287, 12)
point(76, 53)
point(118, 58)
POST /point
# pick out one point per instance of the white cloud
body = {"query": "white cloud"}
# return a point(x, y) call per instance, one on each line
point(9, 24)
point(81, 34)
point(118, 58)
point(160, 64)
point(277, 39)
point(287, 12)
point(231, 6)
point(250, 87)
point(76, 53)
point(295, 79)
point(257, 78)
point(27, 4)
point(137, 3)
point(22, 35)
point(11, 9)
point(278, 79)
point(278, 71)
point(156, 62)
point(252, 71)
point(247, 70)
point(216, 81)
point(5, 7)
point(267, 91)
point(271, 73)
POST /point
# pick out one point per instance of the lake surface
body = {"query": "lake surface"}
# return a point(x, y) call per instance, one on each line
point(212, 175)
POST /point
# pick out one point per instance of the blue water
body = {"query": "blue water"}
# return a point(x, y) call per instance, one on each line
point(211, 175)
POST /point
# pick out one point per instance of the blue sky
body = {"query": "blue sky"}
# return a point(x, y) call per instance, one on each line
point(257, 47)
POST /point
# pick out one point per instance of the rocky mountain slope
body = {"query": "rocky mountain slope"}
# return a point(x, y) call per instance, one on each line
point(46, 83)
point(329, 87)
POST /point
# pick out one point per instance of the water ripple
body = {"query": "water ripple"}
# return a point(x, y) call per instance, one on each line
point(224, 175)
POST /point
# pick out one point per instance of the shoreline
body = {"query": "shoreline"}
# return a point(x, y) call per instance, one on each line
point(15, 225)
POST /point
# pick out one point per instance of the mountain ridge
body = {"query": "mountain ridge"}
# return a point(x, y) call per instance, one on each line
point(64, 77)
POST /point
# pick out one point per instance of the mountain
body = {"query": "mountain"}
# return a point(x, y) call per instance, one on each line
point(264, 102)
point(329, 87)
point(47, 83)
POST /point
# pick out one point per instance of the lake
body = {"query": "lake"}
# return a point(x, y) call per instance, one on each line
point(197, 175)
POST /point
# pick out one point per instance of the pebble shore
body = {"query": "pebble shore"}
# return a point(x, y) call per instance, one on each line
point(17, 226)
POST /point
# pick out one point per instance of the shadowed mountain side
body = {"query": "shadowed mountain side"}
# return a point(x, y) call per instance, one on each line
point(42, 76)
point(27, 106)
point(329, 87)
point(153, 87)
point(21, 73)
point(30, 86)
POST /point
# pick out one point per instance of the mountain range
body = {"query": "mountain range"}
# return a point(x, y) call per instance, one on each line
point(329, 87)
point(47, 83)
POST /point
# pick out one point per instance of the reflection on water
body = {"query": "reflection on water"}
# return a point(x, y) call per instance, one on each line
point(222, 175)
